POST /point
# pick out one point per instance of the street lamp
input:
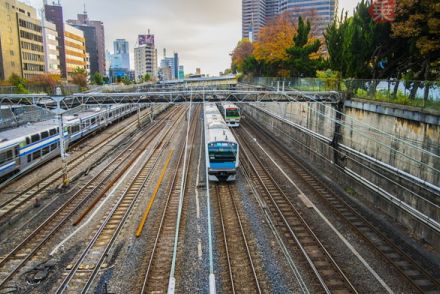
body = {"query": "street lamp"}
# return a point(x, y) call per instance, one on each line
point(58, 97)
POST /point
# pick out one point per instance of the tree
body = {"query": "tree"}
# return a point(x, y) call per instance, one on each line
point(242, 51)
point(274, 39)
point(19, 83)
point(79, 77)
point(97, 79)
point(47, 81)
point(418, 23)
point(146, 77)
point(303, 58)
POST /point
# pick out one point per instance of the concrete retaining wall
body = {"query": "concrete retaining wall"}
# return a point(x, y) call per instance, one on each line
point(371, 158)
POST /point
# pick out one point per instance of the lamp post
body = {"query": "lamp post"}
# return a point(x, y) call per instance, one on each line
point(58, 97)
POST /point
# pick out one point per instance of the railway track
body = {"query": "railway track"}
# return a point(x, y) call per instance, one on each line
point(242, 274)
point(95, 188)
point(157, 276)
point(75, 166)
point(87, 266)
point(292, 226)
point(419, 277)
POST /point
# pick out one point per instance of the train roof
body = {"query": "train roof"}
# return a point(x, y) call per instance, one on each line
point(16, 134)
point(220, 135)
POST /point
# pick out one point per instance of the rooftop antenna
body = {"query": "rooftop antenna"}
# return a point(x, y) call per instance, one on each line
point(85, 11)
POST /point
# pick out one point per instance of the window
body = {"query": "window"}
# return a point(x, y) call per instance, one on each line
point(45, 150)
point(29, 157)
point(35, 138)
point(93, 121)
point(36, 155)
point(52, 132)
point(6, 156)
point(44, 135)
point(28, 140)
point(53, 147)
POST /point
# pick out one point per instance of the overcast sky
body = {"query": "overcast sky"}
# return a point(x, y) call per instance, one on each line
point(203, 32)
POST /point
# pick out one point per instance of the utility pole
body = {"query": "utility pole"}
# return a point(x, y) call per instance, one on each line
point(58, 97)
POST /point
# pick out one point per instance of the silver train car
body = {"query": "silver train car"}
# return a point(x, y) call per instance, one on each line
point(26, 147)
point(221, 148)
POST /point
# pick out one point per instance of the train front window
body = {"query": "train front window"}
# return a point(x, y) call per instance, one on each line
point(232, 112)
point(222, 152)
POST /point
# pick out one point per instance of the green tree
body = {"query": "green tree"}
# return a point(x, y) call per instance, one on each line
point(97, 79)
point(79, 77)
point(19, 82)
point(418, 23)
point(300, 61)
point(147, 77)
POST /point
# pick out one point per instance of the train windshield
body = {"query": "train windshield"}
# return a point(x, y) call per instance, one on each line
point(232, 112)
point(222, 152)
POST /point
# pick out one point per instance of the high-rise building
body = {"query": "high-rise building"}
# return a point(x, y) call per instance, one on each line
point(51, 52)
point(176, 66)
point(21, 41)
point(75, 49)
point(253, 17)
point(145, 57)
point(257, 13)
point(181, 72)
point(122, 51)
point(95, 41)
point(54, 14)
point(320, 12)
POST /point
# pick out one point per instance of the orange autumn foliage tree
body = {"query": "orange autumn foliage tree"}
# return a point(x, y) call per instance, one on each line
point(243, 50)
point(274, 39)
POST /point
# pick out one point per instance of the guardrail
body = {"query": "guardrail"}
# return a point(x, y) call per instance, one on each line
point(66, 89)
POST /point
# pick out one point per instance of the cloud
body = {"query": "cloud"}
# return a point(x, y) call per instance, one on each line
point(203, 32)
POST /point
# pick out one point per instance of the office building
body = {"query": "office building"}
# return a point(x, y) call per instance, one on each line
point(257, 13)
point(21, 40)
point(54, 14)
point(145, 61)
point(253, 17)
point(121, 49)
point(176, 66)
point(51, 52)
point(95, 41)
point(75, 49)
point(320, 12)
point(181, 72)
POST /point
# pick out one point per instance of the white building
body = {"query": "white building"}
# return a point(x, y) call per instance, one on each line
point(51, 45)
point(145, 61)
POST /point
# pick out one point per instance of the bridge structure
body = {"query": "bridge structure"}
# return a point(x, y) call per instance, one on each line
point(196, 95)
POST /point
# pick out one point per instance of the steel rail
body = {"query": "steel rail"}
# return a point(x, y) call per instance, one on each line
point(228, 193)
point(176, 186)
point(319, 270)
point(143, 175)
point(70, 207)
point(38, 188)
point(391, 252)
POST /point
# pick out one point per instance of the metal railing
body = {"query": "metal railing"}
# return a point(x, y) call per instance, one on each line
point(36, 89)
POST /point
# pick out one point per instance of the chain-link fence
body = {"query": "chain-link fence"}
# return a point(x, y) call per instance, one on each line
point(425, 94)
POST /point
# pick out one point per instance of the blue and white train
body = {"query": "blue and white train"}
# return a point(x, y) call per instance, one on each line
point(26, 147)
point(221, 148)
